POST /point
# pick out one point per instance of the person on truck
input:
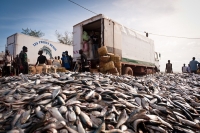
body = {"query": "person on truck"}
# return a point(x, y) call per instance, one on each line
point(94, 39)
point(7, 66)
point(84, 63)
point(86, 39)
point(41, 59)
point(168, 68)
point(24, 60)
point(184, 69)
point(193, 65)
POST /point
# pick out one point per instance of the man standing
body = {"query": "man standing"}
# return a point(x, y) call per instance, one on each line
point(65, 61)
point(94, 39)
point(24, 60)
point(168, 68)
point(16, 65)
point(84, 63)
point(198, 69)
point(184, 69)
point(41, 59)
point(7, 66)
point(69, 59)
point(188, 68)
point(193, 65)
point(56, 62)
point(59, 60)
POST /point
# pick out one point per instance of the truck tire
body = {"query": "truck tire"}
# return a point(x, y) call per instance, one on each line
point(128, 70)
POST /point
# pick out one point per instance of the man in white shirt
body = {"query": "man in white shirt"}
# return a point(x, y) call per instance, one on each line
point(184, 69)
point(56, 62)
point(188, 68)
point(8, 60)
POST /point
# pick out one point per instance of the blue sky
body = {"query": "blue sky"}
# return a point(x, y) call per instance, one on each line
point(45, 15)
point(165, 17)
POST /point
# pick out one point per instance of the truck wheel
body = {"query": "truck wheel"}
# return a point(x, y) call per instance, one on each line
point(128, 70)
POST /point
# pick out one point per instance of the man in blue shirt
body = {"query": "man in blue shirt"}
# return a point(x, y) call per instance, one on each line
point(70, 60)
point(193, 65)
point(65, 61)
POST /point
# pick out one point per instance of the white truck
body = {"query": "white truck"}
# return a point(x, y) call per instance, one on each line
point(137, 52)
point(50, 49)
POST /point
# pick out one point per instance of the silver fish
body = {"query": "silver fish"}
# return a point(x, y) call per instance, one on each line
point(85, 119)
point(80, 126)
point(54, 112)
point(39, 113)
point(122, 118)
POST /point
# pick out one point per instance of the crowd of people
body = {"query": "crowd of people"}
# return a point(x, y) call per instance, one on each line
point(19, 64)
point(193, 67)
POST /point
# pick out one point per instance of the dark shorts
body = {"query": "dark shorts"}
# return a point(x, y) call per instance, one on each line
point(25, 68)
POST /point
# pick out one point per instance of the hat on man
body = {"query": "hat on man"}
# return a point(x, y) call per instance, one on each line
point(80, 51)
point(63, 54)
point(24, 47)
point(40, 51)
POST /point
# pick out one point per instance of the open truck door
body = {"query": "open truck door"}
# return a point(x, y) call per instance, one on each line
point(109, 35)
point(157, 59)
point(77, 37)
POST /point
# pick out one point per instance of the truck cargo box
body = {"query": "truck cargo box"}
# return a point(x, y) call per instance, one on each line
point(120, 40)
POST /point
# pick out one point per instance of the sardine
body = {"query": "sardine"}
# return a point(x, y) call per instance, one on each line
point(122, 118)
point(85, 119)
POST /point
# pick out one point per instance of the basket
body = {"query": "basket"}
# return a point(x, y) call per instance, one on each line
point(49, 62)
point(32, 70)
point(110, 54)
point(46, 66)
point(45, 70)
point(114, 70)
point(101, 64)
point(94, 70)
point(52, 70)
point(61, 69)
point(104, 59)
point(115, 58)
point(116, 74)
point(119, 71)
point(39, 69)
point(118, 64)
point(102, 51)
point(102, 70)
point(109, 65)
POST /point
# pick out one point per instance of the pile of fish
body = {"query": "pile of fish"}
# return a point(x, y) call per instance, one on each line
point(99, 103)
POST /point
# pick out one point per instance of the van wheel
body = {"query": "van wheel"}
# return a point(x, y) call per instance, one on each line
point(128, 70)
